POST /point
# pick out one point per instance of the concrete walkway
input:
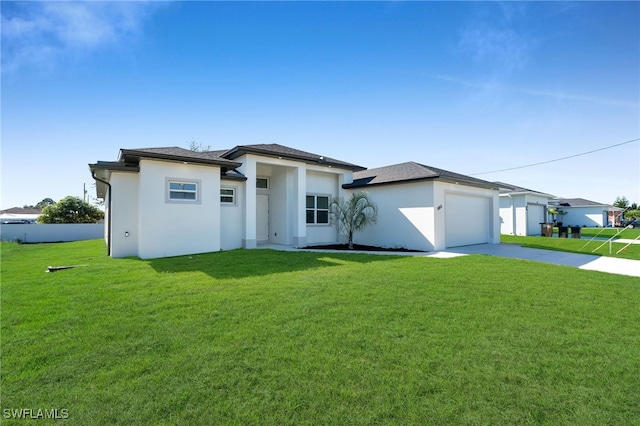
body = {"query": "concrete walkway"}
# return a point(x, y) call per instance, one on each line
point(611, 265)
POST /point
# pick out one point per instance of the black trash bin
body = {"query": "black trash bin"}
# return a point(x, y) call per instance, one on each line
point(575, 232)
point(563, 231)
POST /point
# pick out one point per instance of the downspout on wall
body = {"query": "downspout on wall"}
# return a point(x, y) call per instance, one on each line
point(93, 175)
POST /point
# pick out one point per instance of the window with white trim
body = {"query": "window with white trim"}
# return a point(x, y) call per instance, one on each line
point(228, 196)
point(318, 209)
point(183, 191)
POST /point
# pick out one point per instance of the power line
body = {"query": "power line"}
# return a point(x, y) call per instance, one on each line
point(557, 159)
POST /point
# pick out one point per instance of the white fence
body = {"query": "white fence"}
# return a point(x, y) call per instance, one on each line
point(51, 233)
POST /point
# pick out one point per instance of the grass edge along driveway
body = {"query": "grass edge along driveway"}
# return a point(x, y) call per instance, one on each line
point(267, 337)
point(582, 246)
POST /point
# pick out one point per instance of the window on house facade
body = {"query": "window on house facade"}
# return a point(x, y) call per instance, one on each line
point(317, 209)
point(182, 191)
point(262, 183)
point(228, 196)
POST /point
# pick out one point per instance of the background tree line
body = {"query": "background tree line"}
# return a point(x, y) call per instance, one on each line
point(68, 210)
point(631, 209)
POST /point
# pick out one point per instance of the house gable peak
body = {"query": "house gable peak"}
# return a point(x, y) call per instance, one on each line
point(280, 151)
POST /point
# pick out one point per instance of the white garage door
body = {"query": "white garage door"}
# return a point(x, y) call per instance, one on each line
point(467, 220)
point(535, 216)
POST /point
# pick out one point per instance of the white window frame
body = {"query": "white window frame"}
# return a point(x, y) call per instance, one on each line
point(315, 210)
point(180, 181)
point(234, 195)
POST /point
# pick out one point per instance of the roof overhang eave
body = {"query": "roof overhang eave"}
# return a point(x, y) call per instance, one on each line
point(538, 194)
point(114, 166)
point(102, 170)
point(476, 184)
point(239, 151)
point(390, 182)
point(236, 178)
point(134, 156)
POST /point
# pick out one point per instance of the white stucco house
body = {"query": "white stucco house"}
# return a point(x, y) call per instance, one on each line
point(581, 212)
point(171, 201)
point(522, 210)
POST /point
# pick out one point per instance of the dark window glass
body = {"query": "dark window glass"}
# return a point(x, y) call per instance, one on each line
point(323, 203)
point(311, 202)
point(317, 209)
point(323, 216)
point(175, 195)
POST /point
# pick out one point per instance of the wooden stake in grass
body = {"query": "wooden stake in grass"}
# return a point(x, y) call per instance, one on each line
point(61, 268)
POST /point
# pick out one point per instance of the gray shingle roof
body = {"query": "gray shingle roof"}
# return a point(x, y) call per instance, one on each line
point(174, 153)
point(21, 210)
point(280, 151)
point(217, 153)
point(411, 171)
point(577, 202)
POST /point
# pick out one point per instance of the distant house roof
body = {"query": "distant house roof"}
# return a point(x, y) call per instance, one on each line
point(19, 215)
point(581, 202)
point(411, 172)
point(20, 210)
point(507, 188)
point(279, 151)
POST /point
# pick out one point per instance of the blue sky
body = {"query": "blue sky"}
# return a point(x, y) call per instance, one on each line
point(470, 87)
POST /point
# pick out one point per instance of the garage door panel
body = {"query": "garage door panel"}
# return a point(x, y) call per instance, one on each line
point(467, 219)
point(535, 216)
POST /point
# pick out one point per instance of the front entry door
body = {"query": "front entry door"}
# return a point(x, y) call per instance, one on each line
point(262, 217)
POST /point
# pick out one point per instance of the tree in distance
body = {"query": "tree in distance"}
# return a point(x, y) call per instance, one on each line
point(621, 202)
point(71, 210)
point(42, 204)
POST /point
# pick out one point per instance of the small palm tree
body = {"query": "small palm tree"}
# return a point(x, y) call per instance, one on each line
point(553, 211)
point(354, 214)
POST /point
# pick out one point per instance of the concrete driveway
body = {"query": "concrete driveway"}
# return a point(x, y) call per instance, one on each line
point(583, 261)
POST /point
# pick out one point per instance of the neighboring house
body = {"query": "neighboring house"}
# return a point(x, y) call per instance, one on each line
point(19, 215)
point(581, 212)
point(171, 201)
point(522, 210)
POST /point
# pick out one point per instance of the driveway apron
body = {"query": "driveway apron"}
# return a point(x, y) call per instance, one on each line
point(582, 261)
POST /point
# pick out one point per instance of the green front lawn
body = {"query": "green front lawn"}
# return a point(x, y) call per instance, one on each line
point(267, 337)
point(610, 232)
